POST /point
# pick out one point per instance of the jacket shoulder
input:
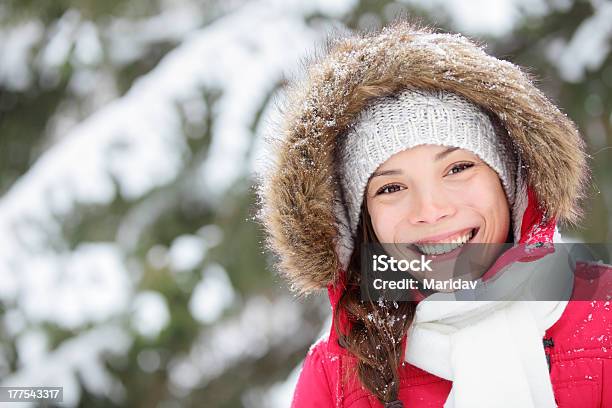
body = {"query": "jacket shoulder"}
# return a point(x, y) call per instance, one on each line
point(317, 379)
point(592, 281)
point(583, 330)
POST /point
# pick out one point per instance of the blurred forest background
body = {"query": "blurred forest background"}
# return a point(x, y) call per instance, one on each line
point(131, 271)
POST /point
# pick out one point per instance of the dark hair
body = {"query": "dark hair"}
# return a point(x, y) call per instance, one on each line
point(375, 330)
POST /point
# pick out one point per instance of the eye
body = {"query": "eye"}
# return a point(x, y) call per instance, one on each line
point(458, 168)
point(389, 188)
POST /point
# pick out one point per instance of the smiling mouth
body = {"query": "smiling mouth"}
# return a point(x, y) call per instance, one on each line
point(439, 248)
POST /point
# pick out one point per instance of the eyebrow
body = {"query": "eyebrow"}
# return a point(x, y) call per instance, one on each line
point(393, 172)
point(445, 153)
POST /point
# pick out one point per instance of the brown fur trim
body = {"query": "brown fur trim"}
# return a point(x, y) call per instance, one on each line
point(297, 193)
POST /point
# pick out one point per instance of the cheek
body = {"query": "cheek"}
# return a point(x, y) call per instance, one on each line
point(487, 197)
point(384, 221)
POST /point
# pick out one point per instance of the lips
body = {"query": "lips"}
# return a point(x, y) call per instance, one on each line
point(445, 243)
point(447, 237)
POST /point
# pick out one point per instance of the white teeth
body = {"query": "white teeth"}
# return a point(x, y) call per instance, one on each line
point(442, 248)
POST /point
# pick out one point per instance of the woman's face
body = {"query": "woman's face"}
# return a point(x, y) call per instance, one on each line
point(433, 194)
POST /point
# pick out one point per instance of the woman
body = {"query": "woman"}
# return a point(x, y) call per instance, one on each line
point(410, 136)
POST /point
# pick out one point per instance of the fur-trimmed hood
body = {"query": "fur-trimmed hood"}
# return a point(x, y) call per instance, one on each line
point(298, 188)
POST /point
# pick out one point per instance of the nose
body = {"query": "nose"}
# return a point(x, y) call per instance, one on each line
point(429, 206)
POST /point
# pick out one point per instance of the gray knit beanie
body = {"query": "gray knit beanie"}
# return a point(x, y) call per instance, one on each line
point(414, 117)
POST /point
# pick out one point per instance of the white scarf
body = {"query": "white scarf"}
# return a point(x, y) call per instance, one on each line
point(492, 351)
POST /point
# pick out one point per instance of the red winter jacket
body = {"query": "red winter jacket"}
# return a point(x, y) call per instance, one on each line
point(578, 346)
